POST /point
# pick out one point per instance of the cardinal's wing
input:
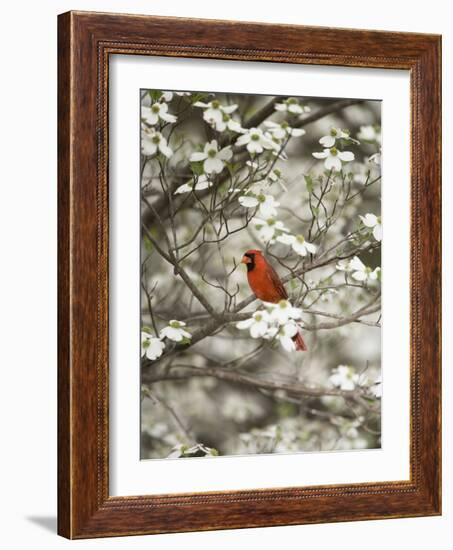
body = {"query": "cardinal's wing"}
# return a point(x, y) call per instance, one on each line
point(276, 282)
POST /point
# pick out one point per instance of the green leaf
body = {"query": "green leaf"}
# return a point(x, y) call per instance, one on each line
point(286, 410)
point(197, 168)
point(155, 94)
point(309, 183)
point(148, 244)
point(198, 97)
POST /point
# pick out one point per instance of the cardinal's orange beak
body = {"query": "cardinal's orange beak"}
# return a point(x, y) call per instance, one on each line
point(246, 260)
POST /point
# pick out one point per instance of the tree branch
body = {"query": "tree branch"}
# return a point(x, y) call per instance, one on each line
point(181, 371)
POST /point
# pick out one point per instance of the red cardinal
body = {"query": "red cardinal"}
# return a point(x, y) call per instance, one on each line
point(267, 285)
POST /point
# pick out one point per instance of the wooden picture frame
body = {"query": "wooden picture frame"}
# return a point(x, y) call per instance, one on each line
point(85, 41)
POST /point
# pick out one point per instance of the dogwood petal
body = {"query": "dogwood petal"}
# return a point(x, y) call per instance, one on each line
point(149, 115)
point(248, 202)
point(219, 126)
point(213, 165)
point(198, 156)
point(254, 147)
point(333, 163)
point(171, 333)
point(229, 108)
point(296, 132)
point(286, 239)
point(279, 133)
point(168, 117)
point(246, 323)
point(213, 115)
point(258, 329)
point(295, 108)
point(287, 343)
point(225, 154)
point(324, 154)
point(185, 334)
point(290, 329)
point(211, 145)
point(148, 147)
point(243, 140)
point(155, 348)
point(310, 247)
point(146, 101)
point(357, 264)
point(266, 233)
point(327, 141)
point(165, 149)
point(185, 188)
point(346, 156)
point(359, 275)
point(377, 232)
point(202, 183)
point(369, 220)
point(234, 126)
point(299, 248)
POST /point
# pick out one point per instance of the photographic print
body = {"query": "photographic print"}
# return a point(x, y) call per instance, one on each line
point(261, 239)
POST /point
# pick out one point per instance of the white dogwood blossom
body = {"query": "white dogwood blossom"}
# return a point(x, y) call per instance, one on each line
point(152, 347)
point(371, 134)
point(376, 388)
point(348, 428)
point(344, 377)
point(298, 244)
point(342, 265)
point(373, 222)
point(168, 96)
point(268, 229)
point(256, 141)
point(275, 322)
point(361, 272)
point(199, 184)
point(376, 158)
point(293, 106)
point(258, 324)
point(218, 115)
point(286, 334)
point(175, 331)
point(334, 157)
point(230, 124)
point(213, 158)
point(198, 450)
point(283, 130)
point(334, 134)
point(156, 112)
point(283, 311)
point(267, 205)
point(275, 176)
point(154, 142)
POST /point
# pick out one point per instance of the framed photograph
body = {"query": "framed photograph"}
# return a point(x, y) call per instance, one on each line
point(249, 275)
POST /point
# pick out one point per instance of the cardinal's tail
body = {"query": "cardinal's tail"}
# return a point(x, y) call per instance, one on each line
point(300, 342)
